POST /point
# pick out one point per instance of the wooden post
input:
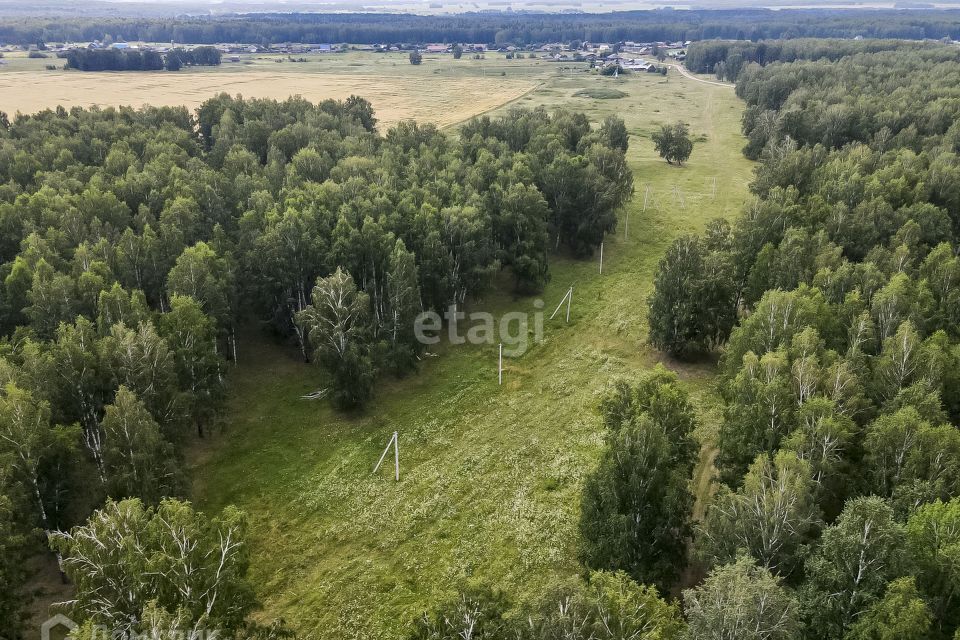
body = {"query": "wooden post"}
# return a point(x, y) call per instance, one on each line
point(500, 366)
point(626, 227)
point(568, 298)
point(601, 258)
point(395, 443)
point(646, 194)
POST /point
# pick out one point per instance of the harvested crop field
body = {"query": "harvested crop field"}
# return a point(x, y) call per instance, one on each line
point(395, 98)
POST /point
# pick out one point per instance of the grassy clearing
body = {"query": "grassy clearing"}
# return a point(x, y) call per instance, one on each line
point(491, 475)
point(601, 93)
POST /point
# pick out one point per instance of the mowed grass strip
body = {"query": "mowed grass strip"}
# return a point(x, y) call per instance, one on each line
point(490, 475)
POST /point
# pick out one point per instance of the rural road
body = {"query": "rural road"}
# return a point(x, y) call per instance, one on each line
point(683, 71)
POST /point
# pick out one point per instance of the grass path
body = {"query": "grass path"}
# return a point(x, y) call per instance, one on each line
point(683, 70)
point(491, 475)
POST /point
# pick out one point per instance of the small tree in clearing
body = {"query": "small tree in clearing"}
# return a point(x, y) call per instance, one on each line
point(416, 57)
point(673, 143)
point(457, 52)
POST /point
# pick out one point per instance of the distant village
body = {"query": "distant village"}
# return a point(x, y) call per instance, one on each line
point(631, 56)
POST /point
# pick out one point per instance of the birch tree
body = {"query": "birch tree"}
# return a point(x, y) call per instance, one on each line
point(901, 614)
point(933, 545)
point(82, 383)
point(636, 505)
point(207, 278)
point(611, 606)
point(693, 306)
point(824, 438)
point(474, 614)
point(771, 517)
point(850, 569)
point(128, 562)
point(25, 436)
point(138, 461)
point(902, 448)
point(759, 413)
point(741, 601)
point(338, 324)
point(190, 334)
point(141, 360)
point(403, 304)
point(289, 255)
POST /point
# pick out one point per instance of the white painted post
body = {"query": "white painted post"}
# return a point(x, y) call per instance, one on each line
point(569, 300)
point(557, 310)
point(396, 452)
point(393, 441)
point(500, 366)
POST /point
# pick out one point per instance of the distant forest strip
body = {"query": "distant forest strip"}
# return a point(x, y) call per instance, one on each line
point(135, 60)
point(726, 58)
point(500, 28)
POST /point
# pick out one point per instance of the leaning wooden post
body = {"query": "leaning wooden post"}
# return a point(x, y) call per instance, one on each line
point(396, 453)
point(395, 442)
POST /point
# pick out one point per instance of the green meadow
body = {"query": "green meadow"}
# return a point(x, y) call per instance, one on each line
point(491, 474)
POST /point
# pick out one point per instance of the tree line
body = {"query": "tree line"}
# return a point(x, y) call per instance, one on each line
point(832, 303)
point(500, 28)
point(133, 243)
point(727, 58)
point(140, 60)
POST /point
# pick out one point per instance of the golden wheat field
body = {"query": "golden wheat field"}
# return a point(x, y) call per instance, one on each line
point(439, 92)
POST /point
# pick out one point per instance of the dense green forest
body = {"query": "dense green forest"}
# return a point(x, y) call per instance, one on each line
point(500, 28)
point(133, 242)
point(834, 299)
